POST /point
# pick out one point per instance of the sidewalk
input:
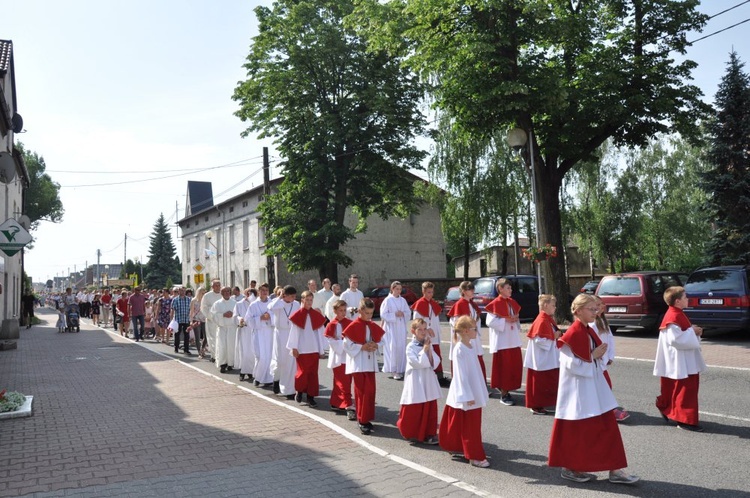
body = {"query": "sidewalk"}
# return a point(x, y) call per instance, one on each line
point(112, 418)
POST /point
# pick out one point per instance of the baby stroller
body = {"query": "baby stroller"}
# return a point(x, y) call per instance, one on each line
point(72, 319)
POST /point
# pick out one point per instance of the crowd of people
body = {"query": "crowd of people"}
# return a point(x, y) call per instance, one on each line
point(272, 339)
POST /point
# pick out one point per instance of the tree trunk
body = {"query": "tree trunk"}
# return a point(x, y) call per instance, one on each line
point(550, 225)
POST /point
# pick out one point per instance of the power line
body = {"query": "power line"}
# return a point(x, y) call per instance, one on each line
point(719, 31)
point(730, 8)
point(147, 179)
point(228, 165)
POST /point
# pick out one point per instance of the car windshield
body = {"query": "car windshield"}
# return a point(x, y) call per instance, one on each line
point(714, 281)
point(620, 286)
point(484, 286)
point(453, 294)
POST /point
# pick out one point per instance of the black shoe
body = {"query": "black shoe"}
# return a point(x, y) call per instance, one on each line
point(691, 428)
point(364, 429)
point(250, 377)
point(311, 401)
point(242, 377)
point(298, 397)
point(256, 383)
point(188, 353)
point(223, 369)
point(351, 415)
point(229, 369)
point(444, 382)
point(276, 387)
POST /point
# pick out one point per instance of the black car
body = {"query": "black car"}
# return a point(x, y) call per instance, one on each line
point(525, 292)
point(589, 287)
point(719, 297)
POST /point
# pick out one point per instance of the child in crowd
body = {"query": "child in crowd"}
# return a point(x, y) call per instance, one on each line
point(361, 340)
point(542, 359)
point(465, 306)
point(601, 327)
point(341, 393)
point(679, 363)
point(418, 418)
point(429, 310)
point(60, 319)
point(149, 322)
point(307, 347)
point(461, 426)
point(585, 436)
point(505, 342)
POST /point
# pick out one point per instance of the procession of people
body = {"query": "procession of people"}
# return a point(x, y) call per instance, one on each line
point(273, 340)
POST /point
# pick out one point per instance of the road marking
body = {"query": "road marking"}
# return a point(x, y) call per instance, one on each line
point(334, 427)
point(646, 360)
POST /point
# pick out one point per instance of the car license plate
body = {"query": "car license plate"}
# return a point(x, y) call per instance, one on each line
point(617, 309)
point(712, 301)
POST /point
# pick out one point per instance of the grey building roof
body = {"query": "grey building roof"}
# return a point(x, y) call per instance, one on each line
point(199, 197)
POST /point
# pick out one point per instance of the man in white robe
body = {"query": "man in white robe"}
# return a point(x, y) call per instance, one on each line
point(244, 352)
point(260, 318)
point(222, 314)
point(283, 365)
point(206, 303)
point(352, 296)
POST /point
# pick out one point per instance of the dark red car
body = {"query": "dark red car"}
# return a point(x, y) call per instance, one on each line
point(379, 293)
point(453, 295)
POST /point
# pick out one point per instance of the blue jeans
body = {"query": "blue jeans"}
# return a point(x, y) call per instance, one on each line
point(138, 332)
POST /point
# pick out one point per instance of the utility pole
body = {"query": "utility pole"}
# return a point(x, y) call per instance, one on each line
point(98, 271)
point(125, 256)
point(270, 260)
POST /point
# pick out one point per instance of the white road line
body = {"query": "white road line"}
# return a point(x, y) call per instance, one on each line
point(334, 427)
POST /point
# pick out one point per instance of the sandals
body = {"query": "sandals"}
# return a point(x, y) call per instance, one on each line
point(482, 464)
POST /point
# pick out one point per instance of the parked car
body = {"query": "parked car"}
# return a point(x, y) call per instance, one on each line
point(379, 293)
point(636, 300)
point(590, 287)
point(525, 291)
point(453, 295)
point(719, 297)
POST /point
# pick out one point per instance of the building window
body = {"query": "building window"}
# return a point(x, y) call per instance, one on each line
point(244, 204)
point(246, 278)
point(197, 248)
point(262, 274)
point(261, 236)
point(231, 209)
point(245, 235)
point(231, 238)
point(187, 251)
point(231, 279)
point(218, 242)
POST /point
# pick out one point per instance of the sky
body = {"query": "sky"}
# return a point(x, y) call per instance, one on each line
point(127, 101)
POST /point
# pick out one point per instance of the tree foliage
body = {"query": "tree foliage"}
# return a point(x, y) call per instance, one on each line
point(163, 264)
point(727, 182)
point(42, 197)
point(343, 118)
point(571, 77)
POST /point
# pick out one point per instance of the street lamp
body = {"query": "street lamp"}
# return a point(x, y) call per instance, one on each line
point(517, 139)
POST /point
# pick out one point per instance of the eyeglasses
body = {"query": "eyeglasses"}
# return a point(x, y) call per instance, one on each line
point(593, 310)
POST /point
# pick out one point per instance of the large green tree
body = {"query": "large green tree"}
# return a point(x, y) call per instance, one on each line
point(42, 198)
point(570, 74)
point(727, 182)
point(343, 118)
point(163, 264)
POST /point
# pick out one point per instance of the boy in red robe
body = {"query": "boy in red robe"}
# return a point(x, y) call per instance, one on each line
point(306, 346)
point(341, 394)
point(505, 342)
point(429, 310)
point(361, 339)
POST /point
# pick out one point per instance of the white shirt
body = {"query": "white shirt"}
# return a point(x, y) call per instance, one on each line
point(329, 307)
point(609, 339)
point(357, 360)
point(320, 299)
point(503, 333)
point(281, 312)
point(420, 382)
point(583, 391)
point(468, 383)
point(219, 308)
point(207, 302)
point(433, 322)
point(352, 299)
point(337, 356)
point(305, 340)
point(256, 310)
point(541, 354)
point(678, 353)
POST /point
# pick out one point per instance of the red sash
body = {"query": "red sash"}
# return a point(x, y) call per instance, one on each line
point(463, 307)
point(422, 306)
point(544, 326)
point(357, 333)
point(299, 318)
point(331, 328)
point(676, 316)
point(578, 338)
point(501, 306)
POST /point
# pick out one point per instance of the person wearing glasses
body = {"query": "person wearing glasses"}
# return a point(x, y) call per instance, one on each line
point(585, 436)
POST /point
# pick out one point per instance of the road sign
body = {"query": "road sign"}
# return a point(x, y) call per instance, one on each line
point(198, 268)
point(198, 278)
point(13, 237)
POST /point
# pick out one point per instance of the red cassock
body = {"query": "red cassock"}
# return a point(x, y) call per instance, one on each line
point(364, 382)
point(678, 400)
point(507, 364)
point(461, 308)
point(541, 385)
point(591, 444)
point(461, 432)
point(341, 393)
point(423, 307)
point(306, 377)
point(418, 421)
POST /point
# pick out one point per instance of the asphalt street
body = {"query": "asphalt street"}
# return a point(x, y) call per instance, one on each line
point(670, 461)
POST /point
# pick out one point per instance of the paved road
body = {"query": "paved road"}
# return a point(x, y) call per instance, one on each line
point(148, 426)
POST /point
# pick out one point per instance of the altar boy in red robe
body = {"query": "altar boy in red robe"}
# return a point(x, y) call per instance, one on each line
point(306, 346)
point(465, 306)
point(361, 339)
point(341, 393)
point(505, 342)
point(429, 310)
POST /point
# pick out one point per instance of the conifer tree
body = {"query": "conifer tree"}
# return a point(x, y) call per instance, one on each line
point(727, 182)
point(163, 266)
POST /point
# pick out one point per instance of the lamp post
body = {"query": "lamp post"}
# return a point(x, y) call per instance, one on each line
point(517, 139)
point(210, 234)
